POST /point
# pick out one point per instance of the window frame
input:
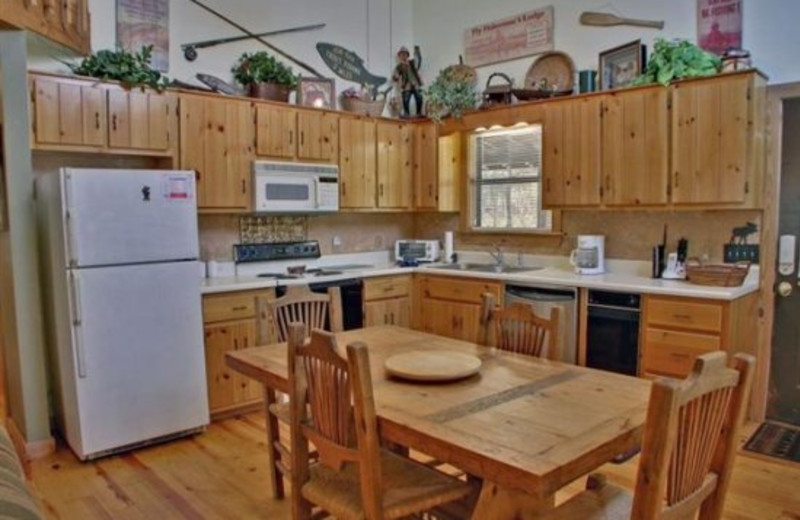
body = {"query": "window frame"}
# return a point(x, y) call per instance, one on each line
point(471, 193)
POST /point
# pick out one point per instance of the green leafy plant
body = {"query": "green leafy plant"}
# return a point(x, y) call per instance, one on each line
point(678, 59)
point(261, 67)
point(451, 94)
point(132, 69)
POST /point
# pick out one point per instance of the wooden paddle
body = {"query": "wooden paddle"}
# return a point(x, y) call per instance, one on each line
point(608, 20)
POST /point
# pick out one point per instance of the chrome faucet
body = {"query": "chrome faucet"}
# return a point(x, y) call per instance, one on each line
point(498, 256)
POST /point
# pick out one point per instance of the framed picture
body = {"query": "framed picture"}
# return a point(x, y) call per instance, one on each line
point(719, 25)
point(316, 92)
point(621, 65)
point(145, 22)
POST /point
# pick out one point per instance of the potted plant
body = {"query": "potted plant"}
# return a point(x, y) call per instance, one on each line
point(451, 94)
point(264, 76)
point(132, 69)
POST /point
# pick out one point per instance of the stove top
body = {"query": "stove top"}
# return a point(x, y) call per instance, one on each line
point(311, 273)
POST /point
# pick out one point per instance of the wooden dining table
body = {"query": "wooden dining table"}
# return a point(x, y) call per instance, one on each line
point(524, 426)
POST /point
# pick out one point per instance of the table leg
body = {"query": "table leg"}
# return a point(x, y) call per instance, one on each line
point(501, 503)
point(276, 477)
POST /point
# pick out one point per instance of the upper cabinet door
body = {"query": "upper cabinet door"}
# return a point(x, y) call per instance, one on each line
point(636, 147)
point(711, 131)
point(357, 162)
point(276, 131)
point(68, 113)
point(571, 162)
point(217, 142)
point(426, 184)
point(317, 135)
point(140, 120)
point(395, 169)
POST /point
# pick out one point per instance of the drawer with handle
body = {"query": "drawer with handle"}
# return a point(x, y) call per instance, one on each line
point(672, 353)
point(226, 307)
point(684, 314)
point(458, 289)
point(386, 287)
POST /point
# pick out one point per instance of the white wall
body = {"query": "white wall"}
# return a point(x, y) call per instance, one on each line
point(770, 31)
point(371, 28)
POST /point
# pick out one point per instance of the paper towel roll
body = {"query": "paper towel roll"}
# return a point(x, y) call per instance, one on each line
point(448, 246)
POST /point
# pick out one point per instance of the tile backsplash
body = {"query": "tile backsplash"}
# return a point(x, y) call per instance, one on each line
point(630, 235)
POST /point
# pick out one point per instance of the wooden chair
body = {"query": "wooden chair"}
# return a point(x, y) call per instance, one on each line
point(517, 329)
point(688, 449)
point(332, 406)
point(313, 311)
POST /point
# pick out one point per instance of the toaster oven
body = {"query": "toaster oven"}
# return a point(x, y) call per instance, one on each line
point(417, 250)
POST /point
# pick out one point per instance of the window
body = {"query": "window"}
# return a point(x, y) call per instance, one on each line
point(506, 190)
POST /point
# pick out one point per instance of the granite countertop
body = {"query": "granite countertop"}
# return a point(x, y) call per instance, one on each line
point(622, 276)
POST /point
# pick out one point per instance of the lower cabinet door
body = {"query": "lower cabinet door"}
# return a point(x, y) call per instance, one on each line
point(395, 311)
point(226, 388)
point(453, 320)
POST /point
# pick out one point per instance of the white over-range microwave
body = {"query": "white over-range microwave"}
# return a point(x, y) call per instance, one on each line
point(283, 187)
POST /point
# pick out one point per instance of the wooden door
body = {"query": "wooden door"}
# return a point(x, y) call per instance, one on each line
point(571, 162)
point(395, 169)
point(394, 311)
point(246, 389)
point(426, 166)
point(139, 120)
point(450, 172)
point(357, 163)
point(219, 340)
point(710, 130)
point(636, 147)
point(317, 135)
point(276, 130)
point(217, 142)
point(69, 113)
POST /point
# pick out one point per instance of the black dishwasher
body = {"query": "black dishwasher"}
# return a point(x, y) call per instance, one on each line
point(612, 332)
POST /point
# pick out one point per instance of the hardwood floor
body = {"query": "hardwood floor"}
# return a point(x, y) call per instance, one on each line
point(222, 474)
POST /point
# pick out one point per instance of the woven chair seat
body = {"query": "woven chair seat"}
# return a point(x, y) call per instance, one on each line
point(408, 487)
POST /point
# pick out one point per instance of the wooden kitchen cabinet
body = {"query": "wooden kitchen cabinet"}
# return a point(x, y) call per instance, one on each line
point(217, 142)
point(676, 330)
point(69, 113)
point(572, 145)
point(141, 120)
point(451, 306)
point(718, 140)
point(318, 135)
point(233, 321)
point(395, 169)
point(65, 22)
point(387, 301)
point(357, 163)
point(635, 147)
point(276, 131)
point(437, 169)
point(87, 116)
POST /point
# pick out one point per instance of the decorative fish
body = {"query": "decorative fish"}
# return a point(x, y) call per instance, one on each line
point(348, 65)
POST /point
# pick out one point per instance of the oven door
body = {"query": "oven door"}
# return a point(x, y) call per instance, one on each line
point(612, 339)
point(285, 194)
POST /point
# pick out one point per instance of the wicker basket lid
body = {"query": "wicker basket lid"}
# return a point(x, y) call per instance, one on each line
point(557, 68)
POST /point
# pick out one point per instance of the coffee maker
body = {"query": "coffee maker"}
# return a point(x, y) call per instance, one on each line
point(589, 256)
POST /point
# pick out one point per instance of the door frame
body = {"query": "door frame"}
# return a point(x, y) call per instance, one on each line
point(776, 95)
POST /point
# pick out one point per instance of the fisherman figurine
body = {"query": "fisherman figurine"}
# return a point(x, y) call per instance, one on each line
point(406, 77)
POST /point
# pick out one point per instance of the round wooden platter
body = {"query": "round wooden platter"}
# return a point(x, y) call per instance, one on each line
point(432, 365)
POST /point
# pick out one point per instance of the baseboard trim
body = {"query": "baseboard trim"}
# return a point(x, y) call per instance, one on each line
point(29, 450)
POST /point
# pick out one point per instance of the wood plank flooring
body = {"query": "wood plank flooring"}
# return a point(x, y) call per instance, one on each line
point(222, 474)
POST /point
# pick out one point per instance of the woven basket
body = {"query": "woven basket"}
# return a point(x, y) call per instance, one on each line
point(555, 67)
point(362, 107)
point(719, 275)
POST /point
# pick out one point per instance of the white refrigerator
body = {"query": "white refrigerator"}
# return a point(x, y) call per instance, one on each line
point(122, 291)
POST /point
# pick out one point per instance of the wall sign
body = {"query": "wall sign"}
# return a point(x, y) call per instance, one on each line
point(145, 22)
point(514, 37)
point(347, 65)
point(719, 25)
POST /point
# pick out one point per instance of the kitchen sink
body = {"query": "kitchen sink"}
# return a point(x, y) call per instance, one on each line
point(485, 268)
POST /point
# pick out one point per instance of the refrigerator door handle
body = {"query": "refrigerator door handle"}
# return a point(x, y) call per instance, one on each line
point(68, 226)
point(80, 359)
